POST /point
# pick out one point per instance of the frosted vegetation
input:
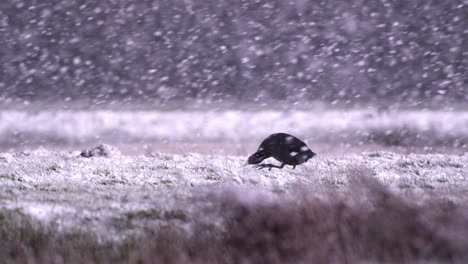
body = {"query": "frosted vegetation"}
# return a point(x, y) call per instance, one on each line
point(60, 186)
point(118, 197)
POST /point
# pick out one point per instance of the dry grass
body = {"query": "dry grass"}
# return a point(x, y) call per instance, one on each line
point(369, 223)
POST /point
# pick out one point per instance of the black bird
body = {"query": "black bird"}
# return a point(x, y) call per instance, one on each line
point(285, 148)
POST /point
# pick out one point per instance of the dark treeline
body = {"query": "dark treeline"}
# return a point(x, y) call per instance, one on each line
point(234, 50)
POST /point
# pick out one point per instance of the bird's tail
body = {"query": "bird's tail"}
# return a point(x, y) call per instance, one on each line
point(257, 157)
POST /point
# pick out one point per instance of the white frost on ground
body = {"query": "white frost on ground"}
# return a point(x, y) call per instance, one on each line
point(116, 195)
point(353, 126)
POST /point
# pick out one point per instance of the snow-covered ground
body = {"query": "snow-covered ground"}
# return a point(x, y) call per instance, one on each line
point(114, 196)
point(354, 127)
point(177, 156)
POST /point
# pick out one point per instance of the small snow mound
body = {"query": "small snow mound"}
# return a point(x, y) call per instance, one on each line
point(102, 150)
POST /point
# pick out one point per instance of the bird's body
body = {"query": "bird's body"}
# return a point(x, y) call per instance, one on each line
point(285, 148)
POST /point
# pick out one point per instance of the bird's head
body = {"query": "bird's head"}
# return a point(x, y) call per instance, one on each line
point(305, 155)
point(258, 156)
point(255, 158)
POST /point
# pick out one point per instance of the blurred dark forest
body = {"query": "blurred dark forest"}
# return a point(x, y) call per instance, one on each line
point(234, 50)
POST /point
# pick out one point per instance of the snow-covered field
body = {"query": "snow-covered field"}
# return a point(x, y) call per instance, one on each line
point(174, 169)
point(118, 195)
point(238, 131)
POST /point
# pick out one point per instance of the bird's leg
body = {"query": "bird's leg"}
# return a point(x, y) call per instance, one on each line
point(294, 167)
point(261, 166)
point(282, 165)
point(269, 166)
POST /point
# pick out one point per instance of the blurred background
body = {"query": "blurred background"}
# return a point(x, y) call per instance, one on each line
point(256, 56)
